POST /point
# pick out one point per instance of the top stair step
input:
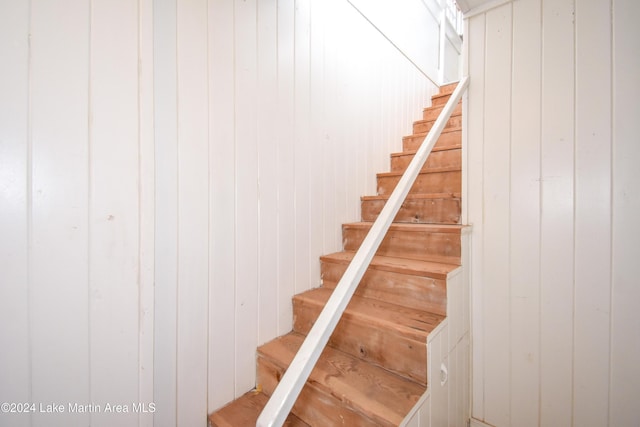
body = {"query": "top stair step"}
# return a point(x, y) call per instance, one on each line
point(448, 88)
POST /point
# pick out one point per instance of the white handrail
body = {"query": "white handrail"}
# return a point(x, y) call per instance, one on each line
point(279, 405)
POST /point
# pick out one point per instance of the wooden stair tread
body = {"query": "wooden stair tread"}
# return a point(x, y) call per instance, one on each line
point(383, 396)
point(434, 228)
point(244, 412)
point(424, 134)
point(431, 121)
point(432, 170)
point(413, 152)
point(456, 112)
point(412, 323)
point(437, 270)
point(416, 196)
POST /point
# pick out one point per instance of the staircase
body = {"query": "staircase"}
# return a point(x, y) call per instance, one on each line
point(374, 369)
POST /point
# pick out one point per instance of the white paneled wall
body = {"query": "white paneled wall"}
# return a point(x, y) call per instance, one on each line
point(76, 214)
point(170, 172)
point(305, 100)
point(551, 144)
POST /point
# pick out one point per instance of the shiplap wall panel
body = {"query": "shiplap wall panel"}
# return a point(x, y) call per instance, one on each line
point(557, 218)
point(496, 214)
point(166, 213)
point(315, 134)
point(59, 259)
point(246, 304)
point(14, 209)
point(302, 120)
point(193, 215)
point(525, 195)
point(592, 213)
point(146, 186)
point(332, 239)
point(625, 292)
point(267, 128)
point(113, 209)
point(573, 345)
point(222, 179)
point(285, 146)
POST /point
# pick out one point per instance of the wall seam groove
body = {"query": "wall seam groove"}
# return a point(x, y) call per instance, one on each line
point(139, 199)
point(177, 210)
point(509, 294)
point(29, 193)
point(89, 203)
point(574, 210)
point(235, 204)
point(540, 207)
point(484, 105)
point(612, 139)
point(209, 202)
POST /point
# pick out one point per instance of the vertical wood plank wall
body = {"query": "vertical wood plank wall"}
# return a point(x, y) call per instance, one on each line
point(552, 152)
point(76, 210)
point(170, 172)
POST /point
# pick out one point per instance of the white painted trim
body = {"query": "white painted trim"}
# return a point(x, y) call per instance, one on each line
point(453, 36)
point(485, 8)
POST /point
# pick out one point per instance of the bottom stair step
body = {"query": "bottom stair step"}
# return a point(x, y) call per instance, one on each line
point(244, 412)
point(341, 390)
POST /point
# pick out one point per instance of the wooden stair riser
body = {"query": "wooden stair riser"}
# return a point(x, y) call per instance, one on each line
point(432, 113)
point(446, 210)
point(418, 292)
point(424, 245)
point(448, 88)
point(437, 159)
point(435, 182)
point(450, 138)
point(375, 342)
point(440, 99)
point(341, 390)
point(423, 126)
